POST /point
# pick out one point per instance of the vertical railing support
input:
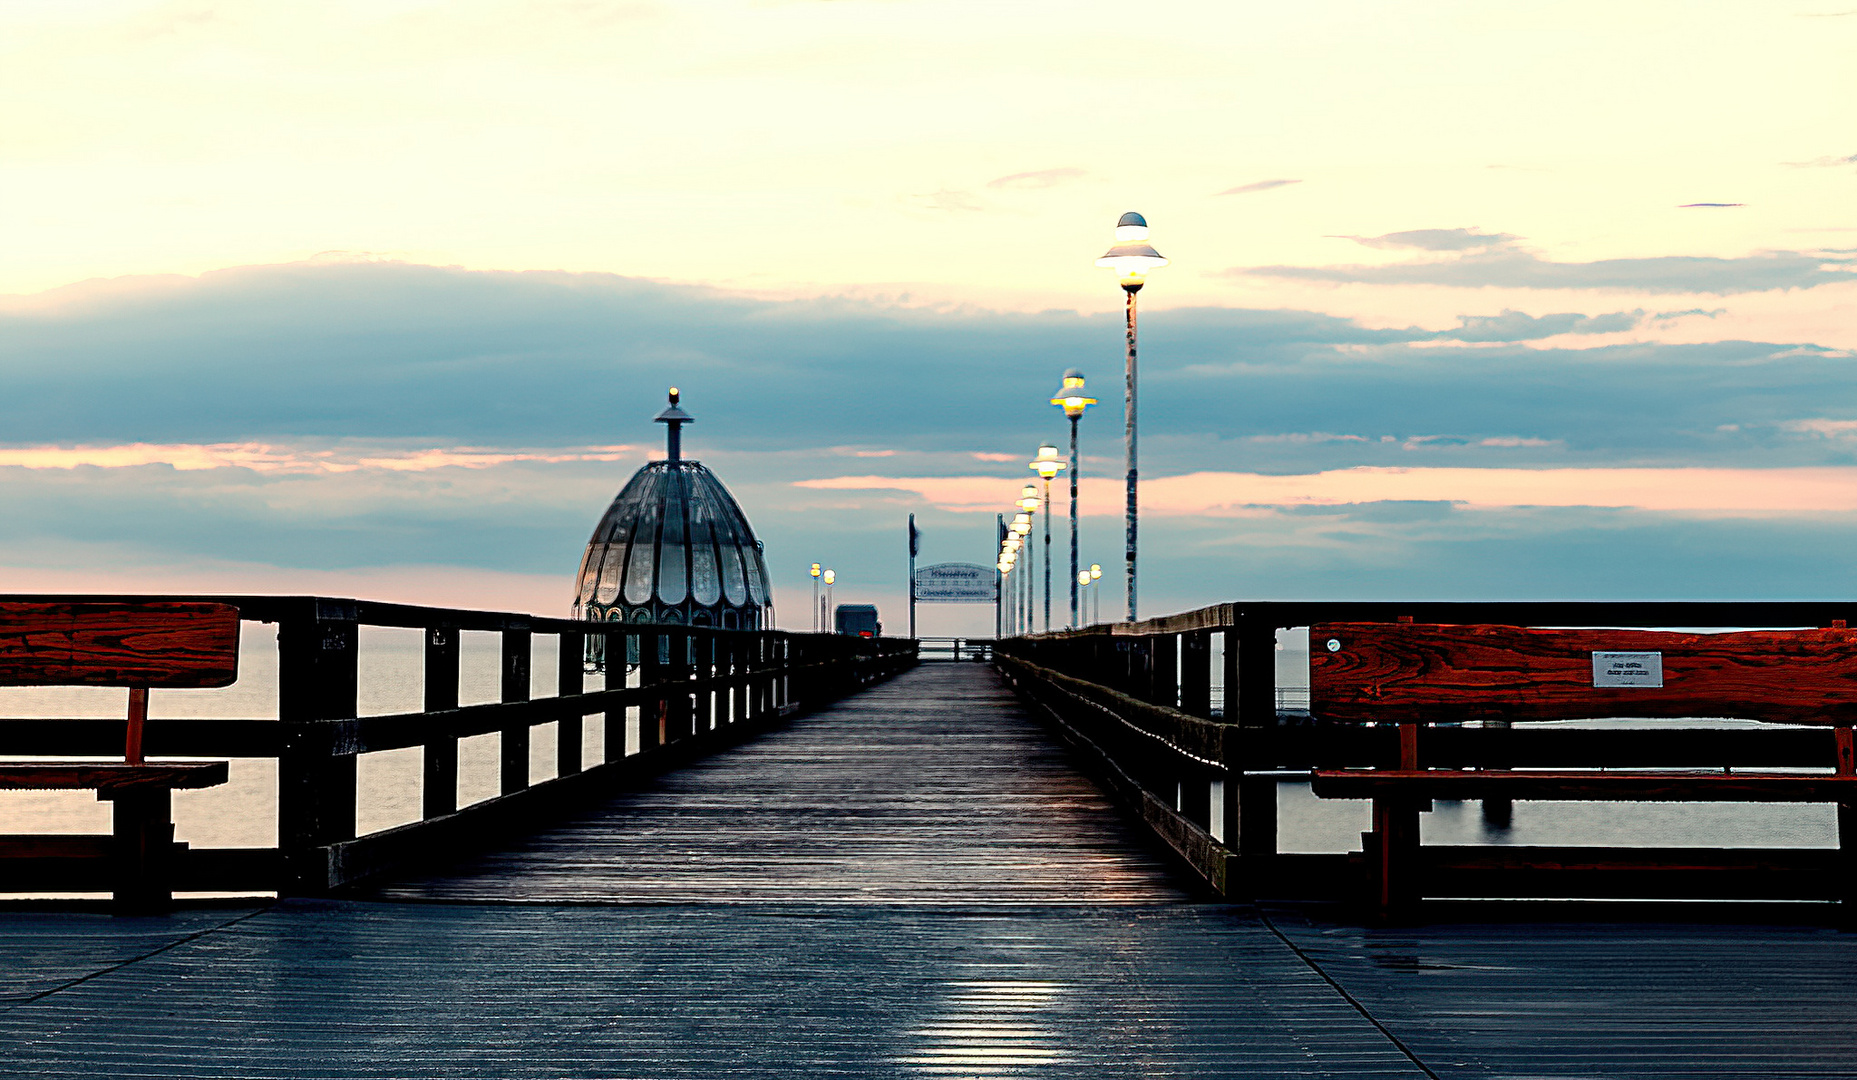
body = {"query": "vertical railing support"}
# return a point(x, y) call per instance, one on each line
point(515, 737)
point(617, 648)
point(570, 680)
point(1250, 804)
point(1162, 685)
point(702, 652)
point(316, 692)
point(651, 708)
point(1196, 673)
point(439, 783)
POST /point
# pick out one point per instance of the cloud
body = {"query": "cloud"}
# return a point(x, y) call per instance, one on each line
point(1673, 316)
point(1436, 240)
point(1495, 261)
point(1519, 326)
point(1830, 162)
point(1708, 205)
point(1824, 428)
point(1713, 491)
point(376, 360)
point(275, 459)
point(1258, 185)
point(1039, 179)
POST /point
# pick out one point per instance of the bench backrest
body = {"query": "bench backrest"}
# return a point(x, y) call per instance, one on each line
point(1429, 672)
point(169, 644)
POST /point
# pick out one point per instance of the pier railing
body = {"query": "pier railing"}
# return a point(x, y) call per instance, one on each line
point(1182, 717)
point(692, 689)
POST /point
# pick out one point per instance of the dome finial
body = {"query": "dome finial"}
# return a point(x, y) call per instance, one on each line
point(674, 418)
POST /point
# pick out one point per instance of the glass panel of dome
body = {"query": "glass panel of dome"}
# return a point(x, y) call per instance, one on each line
point(641, 567)
point(673, 582)
point(705, 580)
point(732, 583)
point(757, 595)
point(584, 582)
point(611, 571)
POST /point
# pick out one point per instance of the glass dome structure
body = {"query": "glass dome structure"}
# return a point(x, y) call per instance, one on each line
point(675, 548)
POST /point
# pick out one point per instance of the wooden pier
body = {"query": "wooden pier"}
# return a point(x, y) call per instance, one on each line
point(939, 874)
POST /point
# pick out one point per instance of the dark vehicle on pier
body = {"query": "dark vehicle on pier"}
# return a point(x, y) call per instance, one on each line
point(858, 620)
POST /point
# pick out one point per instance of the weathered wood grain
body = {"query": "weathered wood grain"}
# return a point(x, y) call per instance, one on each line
point(1427, 672)
point(933, 788)
point(144, 644)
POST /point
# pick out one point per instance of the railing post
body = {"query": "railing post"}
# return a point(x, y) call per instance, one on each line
point(515, 736)
point(616, 650)
point(1250, 805)
point(316, 691)
point(570, 681)
point(737, 653)
point(703, 643)
point(439, 788)
point(1163, 686)
point(1196, 673)
point(651, 708)
point(681, 713)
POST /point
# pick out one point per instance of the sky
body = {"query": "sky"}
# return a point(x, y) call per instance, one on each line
point(1535, 300)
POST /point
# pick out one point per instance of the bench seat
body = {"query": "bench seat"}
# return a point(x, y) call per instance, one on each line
point(1583, 785)
point(110, 776)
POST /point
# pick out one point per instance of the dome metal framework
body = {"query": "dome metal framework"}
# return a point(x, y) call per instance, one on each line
point(674, 548)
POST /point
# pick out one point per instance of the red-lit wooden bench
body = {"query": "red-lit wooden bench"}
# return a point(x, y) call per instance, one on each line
point(1414, 675)
point(139, 646)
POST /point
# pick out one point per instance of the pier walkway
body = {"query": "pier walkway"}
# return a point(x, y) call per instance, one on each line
point(913, 882)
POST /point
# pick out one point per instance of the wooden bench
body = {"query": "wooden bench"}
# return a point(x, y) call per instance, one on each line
point(138, 646)
point(1415, 675)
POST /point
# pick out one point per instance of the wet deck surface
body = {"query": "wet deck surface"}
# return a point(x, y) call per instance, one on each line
point(933, 788)
point(680, 933)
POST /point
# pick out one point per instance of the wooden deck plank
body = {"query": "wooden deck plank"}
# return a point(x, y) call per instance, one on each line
point(933, 788)
point(339, 989)
point(1631, 1001)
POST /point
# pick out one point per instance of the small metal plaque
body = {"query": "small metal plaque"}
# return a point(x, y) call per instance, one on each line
point(1628, 669)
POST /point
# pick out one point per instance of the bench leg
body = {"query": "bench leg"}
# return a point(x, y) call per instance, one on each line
point(1392, 860)
point(144, 842)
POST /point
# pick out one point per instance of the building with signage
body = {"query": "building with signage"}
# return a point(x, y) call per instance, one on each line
point(674, 547)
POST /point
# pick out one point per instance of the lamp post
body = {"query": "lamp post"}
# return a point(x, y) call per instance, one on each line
point(1030, 502)
point(1131, 257)
point(1096, 592)
point(825, 621)
point(1022, 530)
point(1073, 399)
point(815, 598)
point(1047, 465)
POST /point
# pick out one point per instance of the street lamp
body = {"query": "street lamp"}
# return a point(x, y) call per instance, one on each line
point(1096, 593)
point(1047, 465)
point(825, 621)
point(1073, 399)
point(815, 598)
point(1131, 257)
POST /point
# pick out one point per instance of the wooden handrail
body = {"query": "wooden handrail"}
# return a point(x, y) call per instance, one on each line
point(753, 677)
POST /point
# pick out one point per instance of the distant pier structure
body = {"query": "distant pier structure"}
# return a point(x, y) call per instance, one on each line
point(675, 548)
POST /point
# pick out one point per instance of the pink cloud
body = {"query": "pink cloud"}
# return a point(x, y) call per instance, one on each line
point(270, 458)
point(1216, 494)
